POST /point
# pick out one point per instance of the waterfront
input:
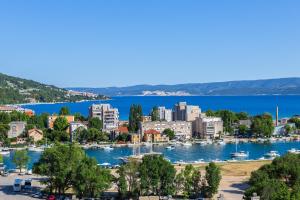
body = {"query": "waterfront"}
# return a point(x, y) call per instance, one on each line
point(187, 154)
point(288, 105)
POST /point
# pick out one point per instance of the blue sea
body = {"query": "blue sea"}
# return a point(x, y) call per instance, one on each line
point(288, 105)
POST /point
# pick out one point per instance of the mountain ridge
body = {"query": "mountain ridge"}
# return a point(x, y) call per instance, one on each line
point(276, 86)
point(15, 90)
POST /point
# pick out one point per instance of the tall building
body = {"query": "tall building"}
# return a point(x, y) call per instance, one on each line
point(106, 113)
point(184, 112)
point(207, 127)
point(165, 114)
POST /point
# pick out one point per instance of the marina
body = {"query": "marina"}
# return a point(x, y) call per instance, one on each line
point(180, 154)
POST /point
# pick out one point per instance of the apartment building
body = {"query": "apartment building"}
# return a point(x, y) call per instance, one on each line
point(52, 118)
point(165, 114)
point(106, 113)
point(184, 112)
point(182, 129)
point(73, 127)
point(207, 127)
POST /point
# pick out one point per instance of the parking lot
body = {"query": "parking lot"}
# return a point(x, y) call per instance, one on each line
point(6, 187)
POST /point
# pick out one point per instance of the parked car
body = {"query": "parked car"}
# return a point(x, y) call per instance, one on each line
point(51, 197)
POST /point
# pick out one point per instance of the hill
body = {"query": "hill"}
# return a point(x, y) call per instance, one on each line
point(281, 86)
point(15, 90)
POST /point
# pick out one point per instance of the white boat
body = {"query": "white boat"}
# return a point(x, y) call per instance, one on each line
point(262, 158)
point(35, 149)
point(221, 142)
point(200, 161)
point(105, 164)
point(294, 151)
point(180, 162)
point(108, 148)
point(186, 144)
point(240, 154)
point(272, 154)
point(4, 152)
point(171, 147)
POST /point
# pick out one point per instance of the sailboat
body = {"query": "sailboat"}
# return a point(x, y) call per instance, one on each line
point(239, 154)
point(139, 156)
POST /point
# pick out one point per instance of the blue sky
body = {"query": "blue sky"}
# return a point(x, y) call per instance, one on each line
point(118, 43)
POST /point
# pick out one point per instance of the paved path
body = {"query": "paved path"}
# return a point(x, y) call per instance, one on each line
point(233, 187)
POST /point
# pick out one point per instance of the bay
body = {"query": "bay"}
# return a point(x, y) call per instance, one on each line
point(288, 105)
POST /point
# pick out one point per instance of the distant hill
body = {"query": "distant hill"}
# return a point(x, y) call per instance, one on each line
point(281, 86)
point(15, 90)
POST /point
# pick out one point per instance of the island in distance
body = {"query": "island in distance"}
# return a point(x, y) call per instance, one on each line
point(280, 86)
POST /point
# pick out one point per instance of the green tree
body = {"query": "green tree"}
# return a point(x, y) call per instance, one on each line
point(288, 129)
point(296, 121)
point(64, 110)
point(129, 183)
point(96, 123)
point(20, 159)
point(135, 117)
point(1, 159)
point(170, 133)
point(262, 125)
point(191, 182)
point(243, 129)
point(3, 132)
point(59, 163)
point(61, 124)
point(210, 113)
point(79, 117)
point(228, 118)
point(155, 114)
point(157, 176)
point(90, 179)
point(213, 178)
point(242, 116)
point(275, 190)
point(4, 118)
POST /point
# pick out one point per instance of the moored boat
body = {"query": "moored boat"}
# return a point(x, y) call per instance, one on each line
point(272, 154)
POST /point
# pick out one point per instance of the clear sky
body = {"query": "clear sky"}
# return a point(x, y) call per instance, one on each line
point(126, 42)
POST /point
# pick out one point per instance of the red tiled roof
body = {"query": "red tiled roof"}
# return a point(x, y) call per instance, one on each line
point(123, 129)
point(151, 131)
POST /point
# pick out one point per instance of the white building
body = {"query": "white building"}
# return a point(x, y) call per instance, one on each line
point(165, 114)
point(182, 129)
point(106, 113)
point(16, 129)
point(73, 127)
point(207, 127)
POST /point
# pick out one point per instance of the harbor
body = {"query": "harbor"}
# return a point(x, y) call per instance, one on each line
point(196, 153)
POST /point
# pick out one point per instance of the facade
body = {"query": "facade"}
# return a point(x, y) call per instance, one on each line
point(154, 136)
point(73, 127)
point(108, 115)
point(146, 118)
point(246, 122)
point(165, 114)
point(36, 134)
point(182, 129)
point(207, 127)
point(52, 118)
point(135, 138)
point(184, 112)
point(16, 129)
